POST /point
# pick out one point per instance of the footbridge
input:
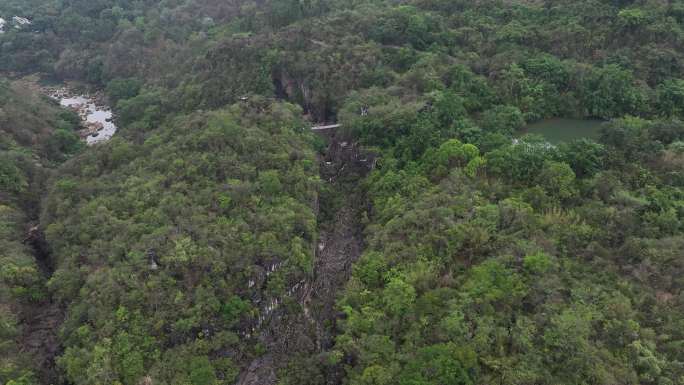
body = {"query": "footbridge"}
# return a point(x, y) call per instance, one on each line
point(326, 127)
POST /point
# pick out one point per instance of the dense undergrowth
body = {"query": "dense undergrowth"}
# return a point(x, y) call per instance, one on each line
point(487, 259)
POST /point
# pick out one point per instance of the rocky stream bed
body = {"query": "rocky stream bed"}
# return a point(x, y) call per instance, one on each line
point(96, 116)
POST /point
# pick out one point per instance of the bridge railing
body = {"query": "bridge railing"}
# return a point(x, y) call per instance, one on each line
point(326, 127)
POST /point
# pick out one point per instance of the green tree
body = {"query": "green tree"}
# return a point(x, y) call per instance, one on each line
point(503, 119)
point(584, 156)
point(671, 98)
point(118, 89)
point(610, 91)
point(399, 296)
point(440, 364)
point(201, 371)
point(557, 178)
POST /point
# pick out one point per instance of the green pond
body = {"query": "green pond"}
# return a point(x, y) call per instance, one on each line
point(558, 130)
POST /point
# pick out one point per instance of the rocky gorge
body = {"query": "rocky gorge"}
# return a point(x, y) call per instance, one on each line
point(96, 116)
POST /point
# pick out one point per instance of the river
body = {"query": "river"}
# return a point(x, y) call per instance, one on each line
point(96, 117)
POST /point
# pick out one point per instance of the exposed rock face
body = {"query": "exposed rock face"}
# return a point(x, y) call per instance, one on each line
point(260, 372)
point(341, 238)
point(309, 328)
point(91, 129)
point(41, 250)
point(18, 20)
point(40, 322)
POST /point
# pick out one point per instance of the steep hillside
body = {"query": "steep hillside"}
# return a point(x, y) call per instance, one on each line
point(173, 253)
point(35, 135)
point(427, 240)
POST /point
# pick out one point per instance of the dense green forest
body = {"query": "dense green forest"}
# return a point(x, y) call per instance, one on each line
point(427, 241)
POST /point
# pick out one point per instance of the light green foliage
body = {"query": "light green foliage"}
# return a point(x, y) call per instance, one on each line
point(184, 251)
point(632, 18)
point(492, 282)
point(516, 273)
point(201, 372)
point(450, 154)
point(474, 165)
point(557, 179)
point(537, 263)
point(453, 152)
point(522, 161)
point(399, 297)
point(11, 179)
point(26, 379)
point(15, 368)
point(371, 270)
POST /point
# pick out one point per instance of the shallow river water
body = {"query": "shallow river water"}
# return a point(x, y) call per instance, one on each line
point(558, 130)
point(91, 113)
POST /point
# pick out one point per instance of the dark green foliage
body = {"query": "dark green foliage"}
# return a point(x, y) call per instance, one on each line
point(585, 156)
point(610, 92)
point(671, 97)
point(503, 119)
point(440, 364)
point(118, 89)
point(144, 109)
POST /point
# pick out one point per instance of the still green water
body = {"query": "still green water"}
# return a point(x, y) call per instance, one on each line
point(558, 130)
